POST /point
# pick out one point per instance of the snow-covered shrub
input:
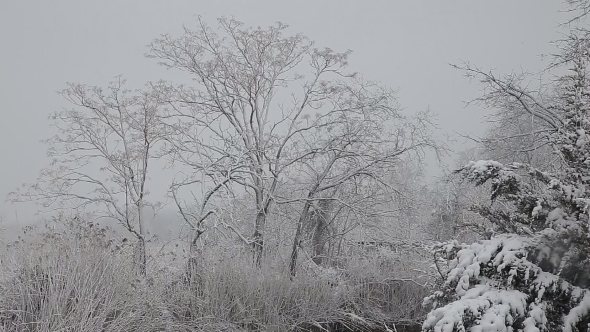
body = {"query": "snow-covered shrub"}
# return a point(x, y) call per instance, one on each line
point(534, 273)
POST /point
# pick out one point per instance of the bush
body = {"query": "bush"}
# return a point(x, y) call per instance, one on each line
point(75, 276)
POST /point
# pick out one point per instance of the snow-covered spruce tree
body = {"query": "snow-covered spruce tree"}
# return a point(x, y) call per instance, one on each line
point(533, 275)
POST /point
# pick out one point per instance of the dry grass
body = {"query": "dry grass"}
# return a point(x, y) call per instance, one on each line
point(74, 279)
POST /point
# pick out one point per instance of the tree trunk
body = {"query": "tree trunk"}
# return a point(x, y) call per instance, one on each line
point(297, 239)
point(192, 269)
point(141, 250)
point(322, 231)
point(258, 241)
point(318, 241)
point(141, 257)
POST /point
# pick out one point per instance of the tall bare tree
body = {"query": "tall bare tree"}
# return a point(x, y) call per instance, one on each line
point(357, 149)
point(256, 93)
point(101, 156)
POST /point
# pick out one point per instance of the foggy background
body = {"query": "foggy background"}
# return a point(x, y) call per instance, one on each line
point(406, 45)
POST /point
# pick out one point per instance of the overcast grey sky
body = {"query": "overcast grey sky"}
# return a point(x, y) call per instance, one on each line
point(404, 44)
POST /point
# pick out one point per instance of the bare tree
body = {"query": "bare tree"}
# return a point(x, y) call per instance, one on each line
point(205, 175)
point(359, 149)
point(256, 94)
point(580, 9)
point(525, 123)
point(509, 93)
point(101, 156)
